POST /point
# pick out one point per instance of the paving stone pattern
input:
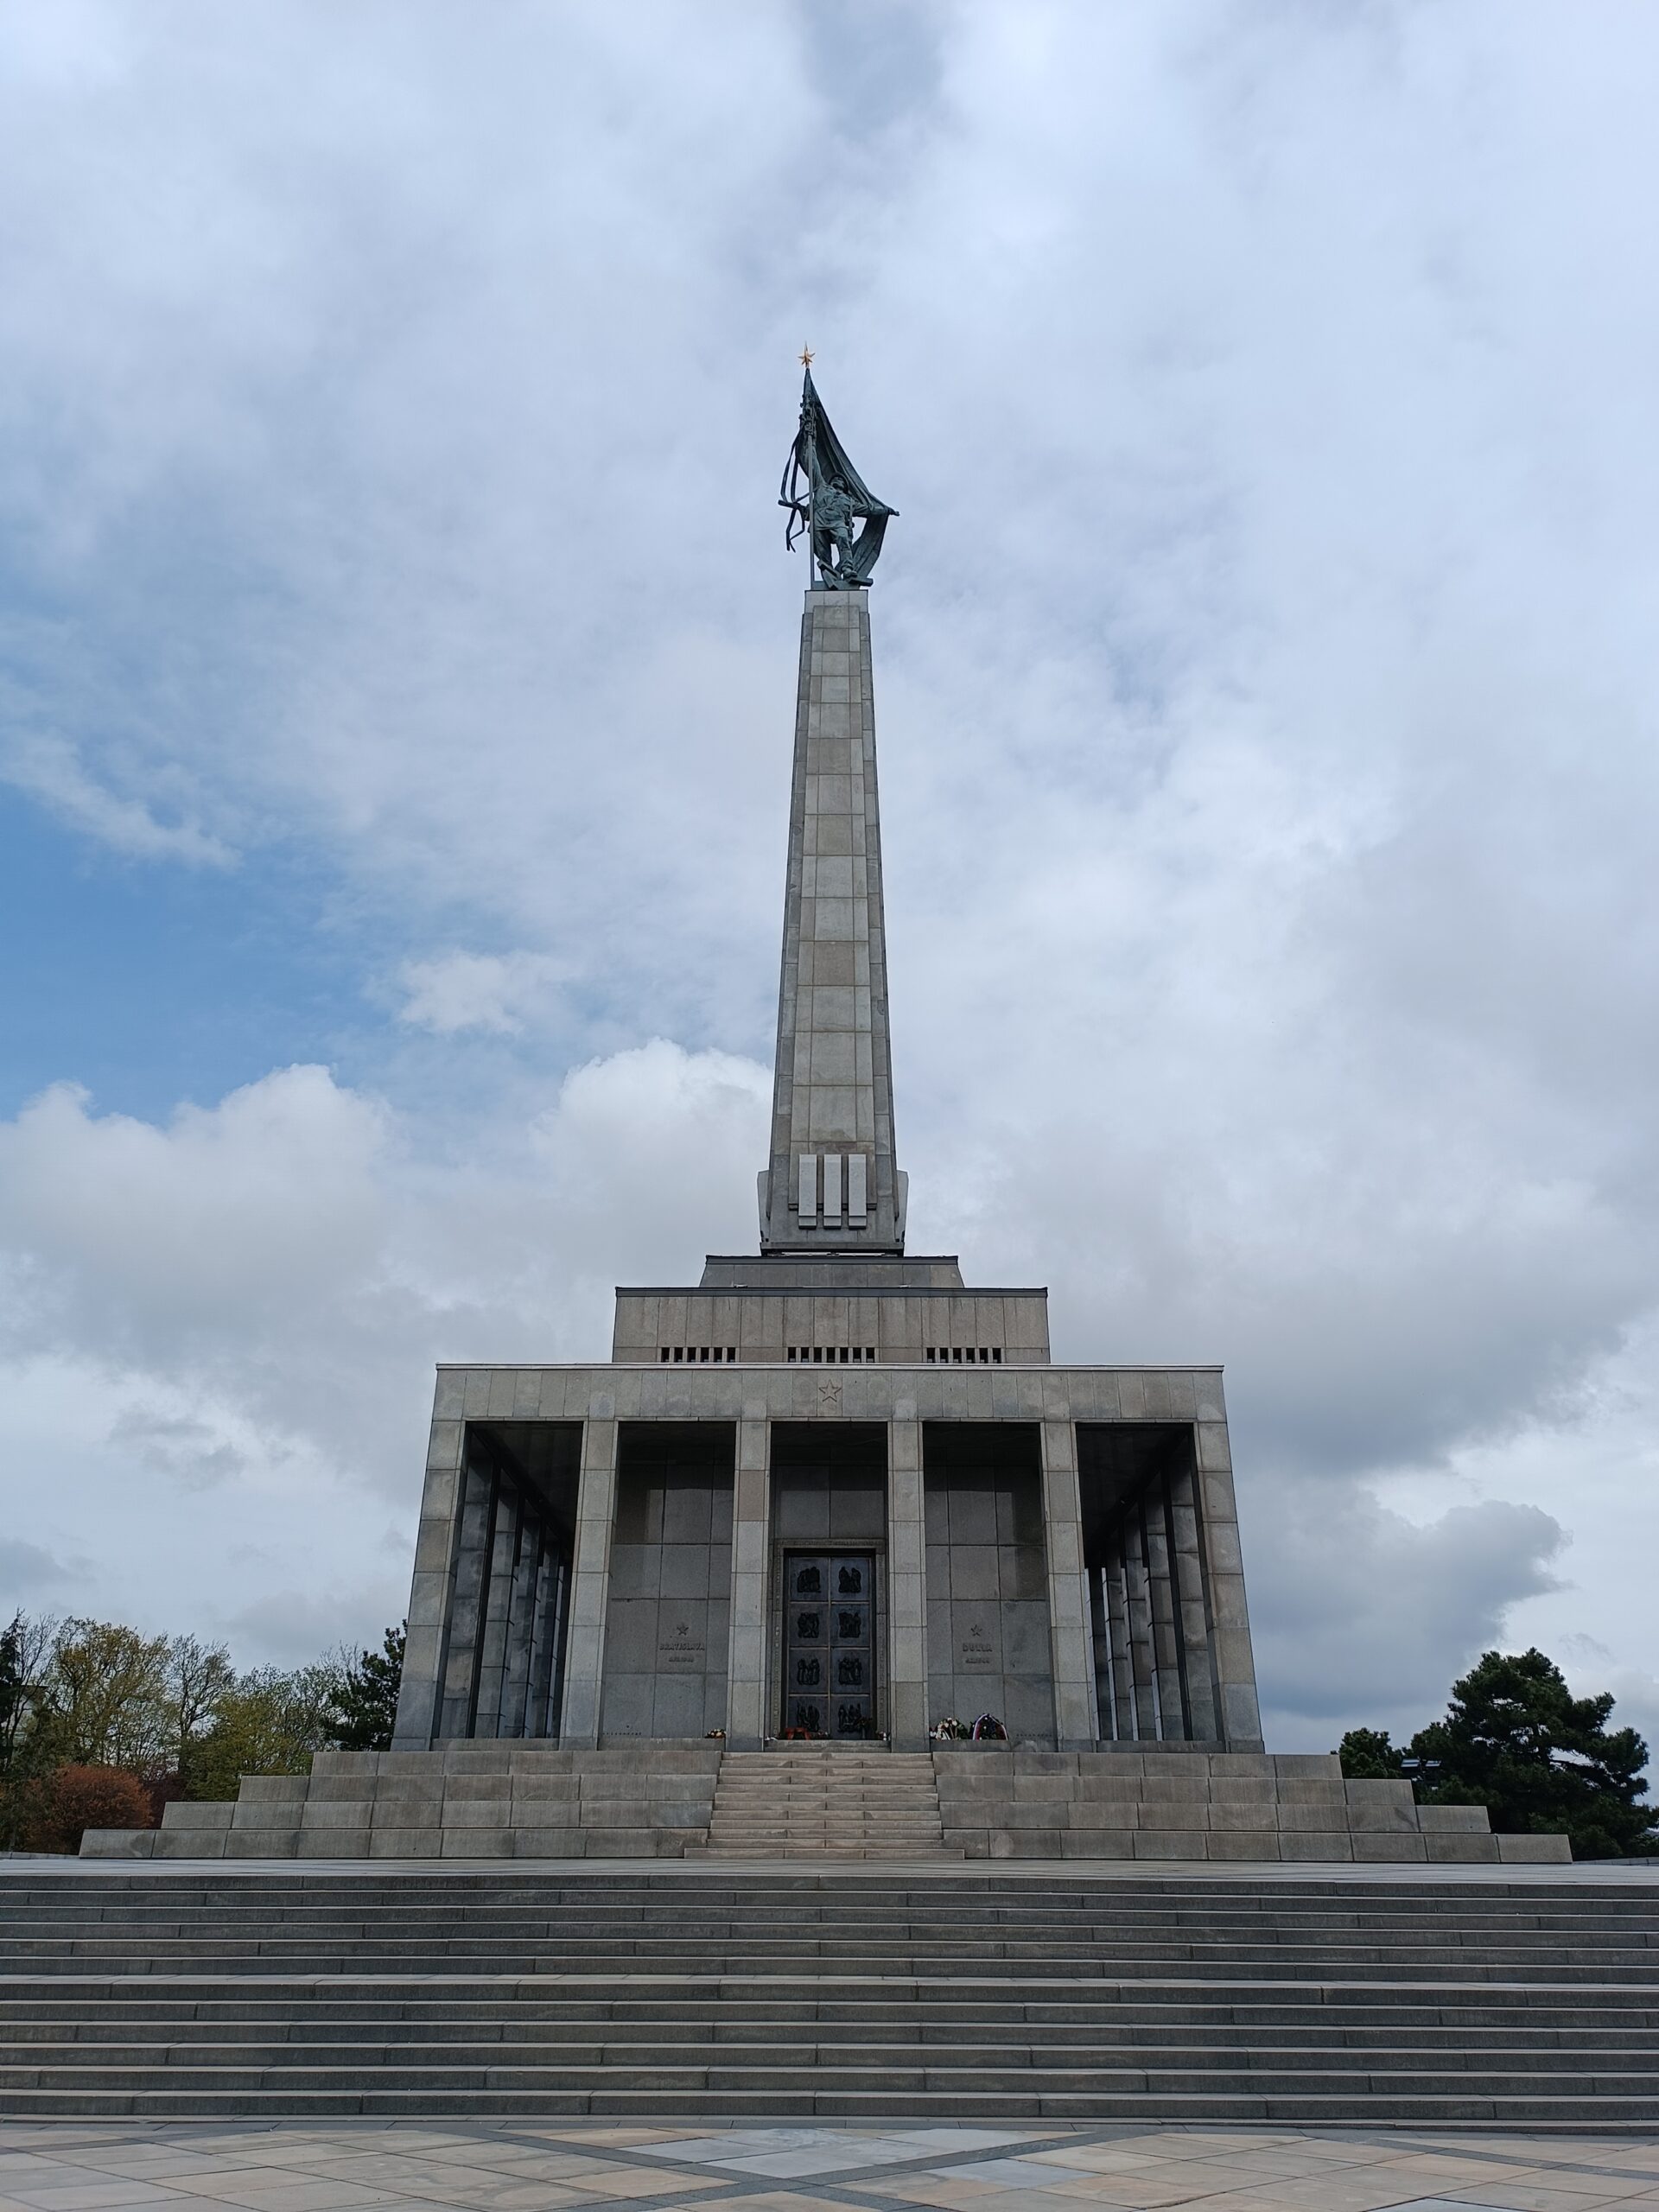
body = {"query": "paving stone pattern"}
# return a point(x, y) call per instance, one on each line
point(489, 2168)
point(170, 1993)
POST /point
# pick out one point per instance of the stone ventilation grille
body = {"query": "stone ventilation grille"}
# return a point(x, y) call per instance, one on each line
point(830, 1355)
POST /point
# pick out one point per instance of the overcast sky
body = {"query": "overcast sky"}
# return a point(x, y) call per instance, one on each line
point(397, 652)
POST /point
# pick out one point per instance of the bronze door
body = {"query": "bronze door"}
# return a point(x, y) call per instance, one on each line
point(830, 1643)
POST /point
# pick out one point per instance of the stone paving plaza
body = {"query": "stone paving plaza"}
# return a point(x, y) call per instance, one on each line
point(516, 2166)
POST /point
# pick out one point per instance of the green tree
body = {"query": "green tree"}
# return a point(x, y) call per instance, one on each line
point(104, 1699)
point(1541, 1761)
point(363, 1709)
point(1369, 1755)
point(267, 1723)
point(25, 1649)
point(25, 1652)
point(199, 1677)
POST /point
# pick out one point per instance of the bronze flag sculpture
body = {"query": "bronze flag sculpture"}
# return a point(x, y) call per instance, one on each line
point(826, 497)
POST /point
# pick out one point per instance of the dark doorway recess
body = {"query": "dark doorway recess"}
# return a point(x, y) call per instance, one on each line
point(828, 1644)
point(1148, 1595)
point(503, 1664)
point(829, 1531)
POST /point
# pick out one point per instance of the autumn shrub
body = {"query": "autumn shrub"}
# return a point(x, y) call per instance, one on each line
point(58, 1807)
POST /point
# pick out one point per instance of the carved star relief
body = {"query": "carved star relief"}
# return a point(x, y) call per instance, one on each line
point(829, 1397)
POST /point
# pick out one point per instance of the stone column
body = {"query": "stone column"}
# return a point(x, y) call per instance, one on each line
point(521, 1625)
point(558, 1653)
point(1068, 1610)
point(1117, 1622)
point(907, 1585)
point(544, 1619)
point(1100, 1632)
point(498, 1612)
point(745, 1689)
point(473, 1548)
point(591, 1582)
point(1241, 1714)
point(420, 1694)
point(1188, 1568)
point(1136, 1583)
point(1165, 1646)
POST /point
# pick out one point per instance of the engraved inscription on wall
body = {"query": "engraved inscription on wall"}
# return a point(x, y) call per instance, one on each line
point(975, 1650)
point(679, 1648)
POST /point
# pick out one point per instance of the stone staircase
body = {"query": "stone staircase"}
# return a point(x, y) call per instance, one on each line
point(170, 1992)
point(822, 1800)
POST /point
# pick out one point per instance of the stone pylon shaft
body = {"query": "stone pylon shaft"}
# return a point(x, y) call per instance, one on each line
point(833, 1183)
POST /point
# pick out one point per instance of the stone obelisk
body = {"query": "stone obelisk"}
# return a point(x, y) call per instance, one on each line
point(832, 1183)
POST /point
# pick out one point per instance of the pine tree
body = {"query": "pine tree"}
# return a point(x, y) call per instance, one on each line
point(1369, 1755)
point(1542, 1762)
point(364, 1707)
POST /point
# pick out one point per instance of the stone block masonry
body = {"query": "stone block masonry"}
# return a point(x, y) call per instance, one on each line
point(1176, 1803)
point(662, 1801)
point(468, 1800)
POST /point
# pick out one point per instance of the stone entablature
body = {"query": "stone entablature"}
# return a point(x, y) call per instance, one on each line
point(990, 1328)
point(827, 1308)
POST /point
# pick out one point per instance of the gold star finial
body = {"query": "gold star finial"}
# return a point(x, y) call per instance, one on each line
point(807, 357)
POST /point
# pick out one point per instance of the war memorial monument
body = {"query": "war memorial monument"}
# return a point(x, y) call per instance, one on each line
point(748, 1585)
point(674, 1825)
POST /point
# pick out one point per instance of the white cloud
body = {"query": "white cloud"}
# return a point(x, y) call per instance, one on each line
point(48, 770)
point(500, 993)
point(194, 1452)
point(1363, 1617)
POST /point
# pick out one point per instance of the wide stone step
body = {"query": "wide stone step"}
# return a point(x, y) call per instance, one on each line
point(939, 2105)
point(807, 1843)
point(678, 2044)
point(1310, 1898)
point(1315, 2093)
point(836, 2065)
point(301, 2017)
point(792, 1949)
point(804, 1825)
point(829, 1994)
point(1158, 2012)
point(785, 1915)
point(833, 1801)
point(467, 1954)
point(768, 1806)
point(1121, 1902)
